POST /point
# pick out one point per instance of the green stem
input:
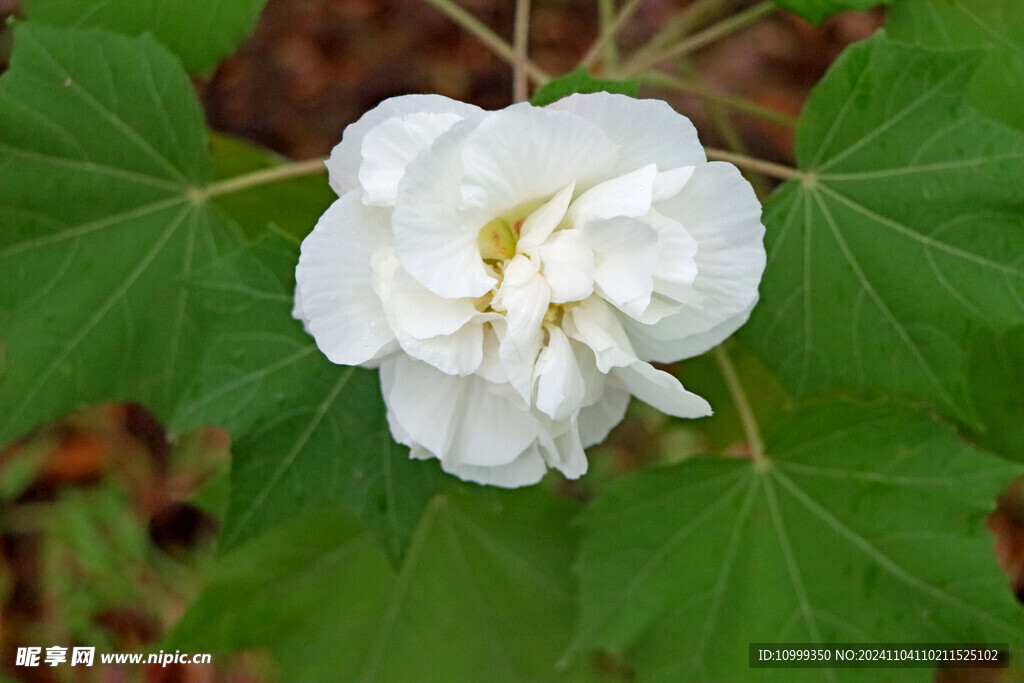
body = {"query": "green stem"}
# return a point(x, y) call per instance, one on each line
point(609, 31)
point(496, 43)
point(760, 165)
point(295, 169)
point(740, 104)
point(520, 44)
point(706, 37)
point(739, 399)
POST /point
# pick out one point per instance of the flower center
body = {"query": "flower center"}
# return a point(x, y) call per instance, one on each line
point(497, 241)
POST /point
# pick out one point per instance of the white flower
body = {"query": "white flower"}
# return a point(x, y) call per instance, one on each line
point(513, 272)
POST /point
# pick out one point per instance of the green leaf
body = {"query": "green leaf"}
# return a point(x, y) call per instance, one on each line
point(485, 594)
point(865, 524)
point(997, 26)
point(305, 432)
point(102, 149)
point(200, 32)
point(311, 590)
point(995, 377)
point(294, 205)
point(580, 81)
point(904, 238)
point(817, 11)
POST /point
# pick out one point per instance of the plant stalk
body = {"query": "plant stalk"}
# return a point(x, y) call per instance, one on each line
point(739, 399)
point(698, 40)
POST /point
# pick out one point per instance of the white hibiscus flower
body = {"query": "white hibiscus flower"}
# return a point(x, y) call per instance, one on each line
point(513, 272)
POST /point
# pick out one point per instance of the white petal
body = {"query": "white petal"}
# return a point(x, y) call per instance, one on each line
point(668, 183)
point(597, 420)
point(298, 312)
point(568, 266)
point(594, 323)
point(625, 256)
point(677, 265)
point(719, 209)
point(418, 401)
point(626, 195)
point(518, 361)
point(696, 344)
point(422, 314)
point(527, 469)
point(565, 451)
point(658, 308)
point(524, 296)
point(459, 353)
point(648, 131)
point(661, 390)
point(560, 387)
point(334, 282)
point(491, 367)
point(346, 156)
point(543, 221)
point(461, 420)
point(391, 146)
point(523, 153)
point(435, 241)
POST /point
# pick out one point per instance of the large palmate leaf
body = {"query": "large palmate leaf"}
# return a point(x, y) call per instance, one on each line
point(863, 524)
point(485, 594)
point(200, 32)
point(905, 236)
point(995, 379)
point(102, 222)
point(996, 26)
point(311, 589)
point(306, 432)
point(818, 10)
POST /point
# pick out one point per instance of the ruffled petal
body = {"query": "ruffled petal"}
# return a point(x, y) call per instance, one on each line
point(560, 386)
point(298, 312)
point(564, 451)
point(668, 183)
point(627, 195)
point(696, 344)
point(524, 153)
point(544, 220)
point(491, 367)
point(458, 353)
point(647, 131)
point(436, 241)
point(625, 256)
point(660, 390)
point(567, 264)
point(391, 146)
point(597, 420)
point(346, 157)
point(422, 314)
point(594, 323)
point(524, 297)
point(334, 283)
point(719, 210)
point(677, 265)
point(461, 420)
point(527, 469)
